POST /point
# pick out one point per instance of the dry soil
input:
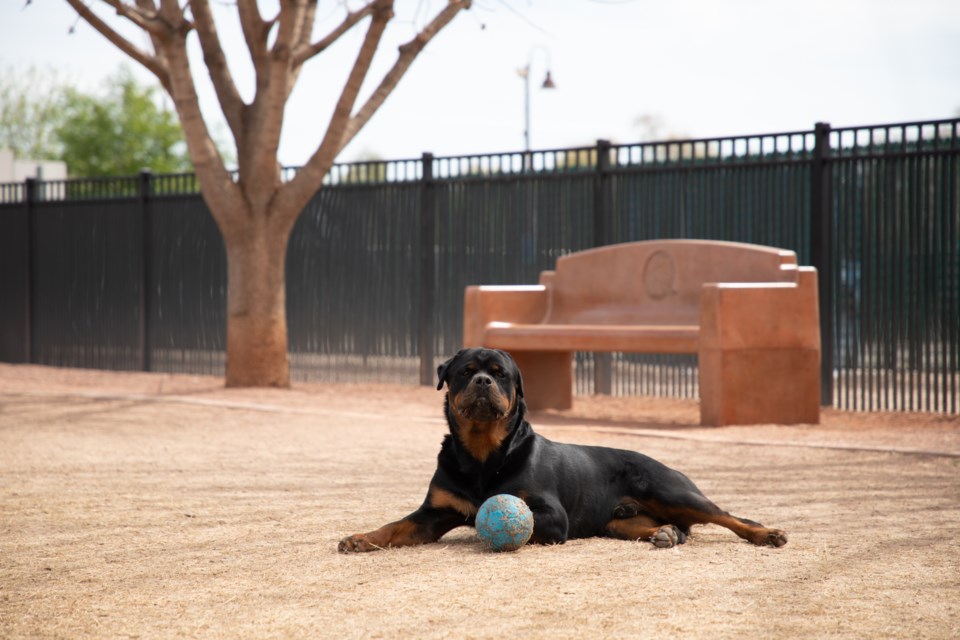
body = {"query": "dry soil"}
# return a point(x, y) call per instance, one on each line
point(158, 506)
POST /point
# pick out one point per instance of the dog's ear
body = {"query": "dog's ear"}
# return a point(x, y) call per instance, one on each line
point(516, 371)
point(442, 369)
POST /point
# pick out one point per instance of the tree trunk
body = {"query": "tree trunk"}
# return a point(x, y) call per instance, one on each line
point(256, 303)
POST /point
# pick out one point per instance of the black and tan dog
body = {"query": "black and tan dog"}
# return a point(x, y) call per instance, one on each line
point(574, 491)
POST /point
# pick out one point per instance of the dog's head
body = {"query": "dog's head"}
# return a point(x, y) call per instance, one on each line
point(484, 385)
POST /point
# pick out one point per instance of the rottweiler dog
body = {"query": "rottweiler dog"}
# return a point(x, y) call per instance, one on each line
point(573, 491)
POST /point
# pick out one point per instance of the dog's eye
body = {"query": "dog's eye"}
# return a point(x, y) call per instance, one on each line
point(466, 373)
point(500, 374)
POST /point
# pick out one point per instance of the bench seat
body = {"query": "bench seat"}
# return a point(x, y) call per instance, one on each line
point(593, 337)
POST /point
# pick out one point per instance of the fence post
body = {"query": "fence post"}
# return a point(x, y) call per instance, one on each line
point(821, 251)
point(427, 272)
point(601, 195)
point(602, 361)
point(29, 198)
point(146, 272)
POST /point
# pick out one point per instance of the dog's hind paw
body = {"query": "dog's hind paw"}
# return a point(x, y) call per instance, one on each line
point(668, 536)
point(775, 538)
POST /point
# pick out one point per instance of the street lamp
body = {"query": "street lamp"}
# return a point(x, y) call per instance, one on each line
point(547, 84)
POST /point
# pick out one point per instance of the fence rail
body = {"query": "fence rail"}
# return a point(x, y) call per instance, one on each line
point(130, 272)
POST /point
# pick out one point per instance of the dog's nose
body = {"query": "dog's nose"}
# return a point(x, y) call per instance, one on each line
point(482, 380)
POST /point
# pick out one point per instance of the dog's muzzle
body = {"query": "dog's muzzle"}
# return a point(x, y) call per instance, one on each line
point(482, 400)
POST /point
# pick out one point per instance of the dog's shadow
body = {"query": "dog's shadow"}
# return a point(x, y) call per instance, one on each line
point(463, 540)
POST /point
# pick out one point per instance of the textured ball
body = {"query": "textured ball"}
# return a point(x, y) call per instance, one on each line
point(504, 523)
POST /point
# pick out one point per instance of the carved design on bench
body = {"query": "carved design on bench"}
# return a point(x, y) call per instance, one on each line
point(658, 275)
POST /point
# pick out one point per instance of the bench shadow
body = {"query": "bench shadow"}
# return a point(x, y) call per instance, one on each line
point(551, 419)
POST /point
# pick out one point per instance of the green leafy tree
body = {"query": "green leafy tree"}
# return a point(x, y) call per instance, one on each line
point(121, 132)
point(30, 112)
point(117, 131)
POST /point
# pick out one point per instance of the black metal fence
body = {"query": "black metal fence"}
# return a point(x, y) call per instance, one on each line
point(129, 273)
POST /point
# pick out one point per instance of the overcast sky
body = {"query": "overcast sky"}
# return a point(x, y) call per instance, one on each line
point(694, 67)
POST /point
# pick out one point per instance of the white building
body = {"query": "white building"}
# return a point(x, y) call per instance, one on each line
point(13, 169)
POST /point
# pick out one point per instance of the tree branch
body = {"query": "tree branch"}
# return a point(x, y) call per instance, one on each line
point(306, 31)
point(152, 63)
point(144, 19)
point(255, 32)
point(382, 13)
point(298, 191)
point(305, 53)
point(227, 94)
point(171, 14)
point(217, 187)
point(259, 172)
point(408, 53)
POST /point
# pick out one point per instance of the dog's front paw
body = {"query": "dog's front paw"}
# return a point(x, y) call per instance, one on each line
point(356, 544)
point(668, 536)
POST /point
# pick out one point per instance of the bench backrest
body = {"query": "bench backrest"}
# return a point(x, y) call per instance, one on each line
point(655, 282)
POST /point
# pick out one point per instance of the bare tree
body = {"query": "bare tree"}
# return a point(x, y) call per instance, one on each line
point(256, 211)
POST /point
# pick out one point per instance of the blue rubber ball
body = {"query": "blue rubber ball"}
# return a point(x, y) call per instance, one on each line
point(504, 523)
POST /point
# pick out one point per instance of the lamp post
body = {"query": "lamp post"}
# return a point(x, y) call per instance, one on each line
point(547, 84)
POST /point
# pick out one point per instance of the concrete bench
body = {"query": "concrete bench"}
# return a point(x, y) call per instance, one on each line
point(749, 313)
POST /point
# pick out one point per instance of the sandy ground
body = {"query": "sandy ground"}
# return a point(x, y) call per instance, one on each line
point(155, 506)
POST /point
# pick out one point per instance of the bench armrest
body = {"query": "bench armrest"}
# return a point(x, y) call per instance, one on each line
point(761, 315)
point(524, 304)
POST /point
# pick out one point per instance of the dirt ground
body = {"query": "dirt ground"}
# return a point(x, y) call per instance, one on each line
point(158, 506)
